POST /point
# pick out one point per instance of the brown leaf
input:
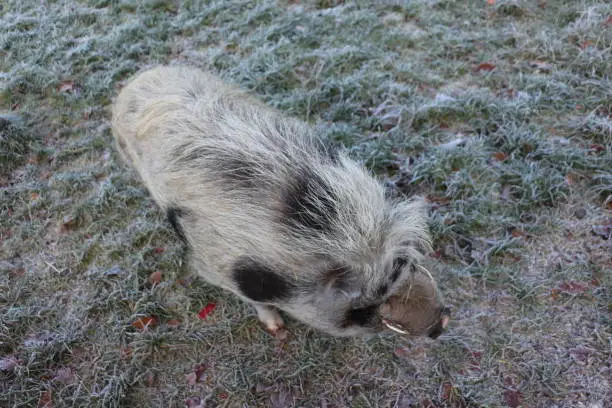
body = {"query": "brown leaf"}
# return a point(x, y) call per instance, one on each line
point(485, 66)
point(173, 322)
point(427, 403)
point(65, 375)
point(608, 21)
point(142, 323)
point(500, 156)
point(586, 44)
point(155, 278)
point(513, 398)
point(45, 400)
point(67, 87)
point(194, 402)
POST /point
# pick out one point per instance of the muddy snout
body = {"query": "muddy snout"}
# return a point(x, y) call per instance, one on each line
point(416, 309)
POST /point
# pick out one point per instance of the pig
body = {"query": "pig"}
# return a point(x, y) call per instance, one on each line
point(268, 210)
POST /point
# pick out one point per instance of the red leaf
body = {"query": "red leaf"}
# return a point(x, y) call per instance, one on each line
point(485, 66)
point(196, 375)
point(145, 322)
point(206, 310)
point(573, 287)
point(598, 148)
point(500, 156)
point(45, 400)
point(173, 322)
point(158, 250)
point(490, 2)
point(155, 277)
point(194, 402)
point(447, 388)
point(223, 396)
point(513, 398)
point(586, 44)
point(67, 87)
point(608, 21)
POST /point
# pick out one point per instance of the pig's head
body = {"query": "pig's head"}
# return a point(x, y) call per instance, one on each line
point(417, 307)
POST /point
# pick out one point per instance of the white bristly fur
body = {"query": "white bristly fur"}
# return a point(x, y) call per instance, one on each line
point(226, 160)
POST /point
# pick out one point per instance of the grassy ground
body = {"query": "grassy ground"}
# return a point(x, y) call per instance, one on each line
point(500, 113)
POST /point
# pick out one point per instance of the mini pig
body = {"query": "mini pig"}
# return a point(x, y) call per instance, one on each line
point(268, 210)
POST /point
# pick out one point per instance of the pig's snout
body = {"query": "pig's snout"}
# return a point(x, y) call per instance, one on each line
point(440, 326)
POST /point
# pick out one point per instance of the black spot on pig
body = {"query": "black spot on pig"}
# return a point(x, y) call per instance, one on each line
point(260, 282)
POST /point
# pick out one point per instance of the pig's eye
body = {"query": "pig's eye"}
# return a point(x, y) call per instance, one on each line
point(398, 265)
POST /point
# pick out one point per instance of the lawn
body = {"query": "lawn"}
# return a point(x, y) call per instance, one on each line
point(499, 112)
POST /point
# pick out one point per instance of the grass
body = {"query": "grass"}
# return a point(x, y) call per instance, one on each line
point(499, 114)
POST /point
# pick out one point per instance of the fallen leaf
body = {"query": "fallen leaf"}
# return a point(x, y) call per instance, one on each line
point(194, 377)
point(447, 388)
point(573, 287)
point(608, 21)
point(490, 2)
point(500, 156)
point(206, 310)
point(65, 375)
point(67, 87)
point(194, 402)
point(34, 196)
point(586, 44)
point(485, 66)
point(597, 148)
point(155, 278)
point(145, 322)
point(427, 403)
point(437, 199)
point(517, 233)
point(223, 396)
point(45, 400)
point(173, 322)
point(513, 398)
point(158, 250)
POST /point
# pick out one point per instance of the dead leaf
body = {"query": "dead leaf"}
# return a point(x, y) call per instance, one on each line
point(173, 322)
point(608, 21)
point(194, 402)
point(155, 278)
point(157, 250)
point(500, 156)
point(34, 196)
point(67, 87)
point(195, 377)
point(65, 375)
point(513, 398)
point(206, 310)
point(427, 403)
point(45, 400)
point(597, 148)
point(143, 323)
point(586, 44)
point(485, 66)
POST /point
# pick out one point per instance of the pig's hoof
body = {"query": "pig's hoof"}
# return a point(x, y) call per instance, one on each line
point(271, 319)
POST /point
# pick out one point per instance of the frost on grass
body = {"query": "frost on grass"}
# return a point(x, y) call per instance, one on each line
point(499, 114)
